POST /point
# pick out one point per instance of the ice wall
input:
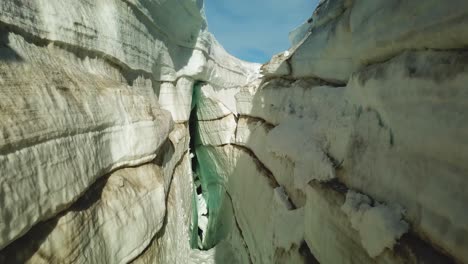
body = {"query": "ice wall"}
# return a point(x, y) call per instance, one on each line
point(351, 147)
point(128, 135)
point(94, 168)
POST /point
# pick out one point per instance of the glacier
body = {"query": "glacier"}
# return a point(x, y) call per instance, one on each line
point(129, 135)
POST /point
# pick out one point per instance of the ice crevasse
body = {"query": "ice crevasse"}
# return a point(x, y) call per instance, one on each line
point(129, 135)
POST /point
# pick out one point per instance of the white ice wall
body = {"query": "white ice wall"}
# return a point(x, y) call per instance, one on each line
point(81, 123)
point(94, 135)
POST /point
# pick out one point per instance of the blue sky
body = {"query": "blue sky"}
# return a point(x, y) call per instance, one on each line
point(254, 30)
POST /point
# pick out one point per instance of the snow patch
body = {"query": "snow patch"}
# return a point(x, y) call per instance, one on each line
point(202, 213)
point(379, 225)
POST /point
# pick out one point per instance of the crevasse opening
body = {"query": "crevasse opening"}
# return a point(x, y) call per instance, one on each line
point(211, 224)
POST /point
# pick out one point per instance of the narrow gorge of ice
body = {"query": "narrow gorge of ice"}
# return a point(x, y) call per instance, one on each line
point(129, 135)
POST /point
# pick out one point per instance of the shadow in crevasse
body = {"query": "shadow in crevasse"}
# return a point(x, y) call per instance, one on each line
point(7, 53)
point(24, 248)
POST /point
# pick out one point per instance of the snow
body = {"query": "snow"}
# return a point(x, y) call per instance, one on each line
point(379, 225)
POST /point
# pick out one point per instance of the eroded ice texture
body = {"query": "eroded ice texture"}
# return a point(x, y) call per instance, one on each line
point(128, 134)
point(379, 226)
